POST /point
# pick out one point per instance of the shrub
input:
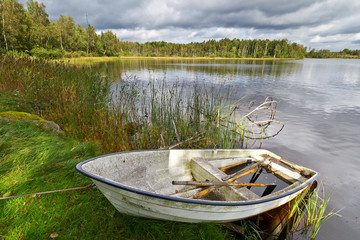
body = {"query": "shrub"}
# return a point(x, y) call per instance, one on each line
point(49, 54)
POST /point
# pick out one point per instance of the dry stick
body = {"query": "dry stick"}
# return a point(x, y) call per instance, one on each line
point(198, 136)
point(271, 136)
point(266, 137)
point(261, 106)
point(268, 105)
point(208, 184)
point(54, 191)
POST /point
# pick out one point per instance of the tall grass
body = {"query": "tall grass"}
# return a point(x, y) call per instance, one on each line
point(133, 116)
point(310, 213)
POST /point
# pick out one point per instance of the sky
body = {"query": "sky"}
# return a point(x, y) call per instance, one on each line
point(319, 24)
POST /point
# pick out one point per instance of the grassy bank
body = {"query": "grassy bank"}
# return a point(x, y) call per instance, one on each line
point(34, 159)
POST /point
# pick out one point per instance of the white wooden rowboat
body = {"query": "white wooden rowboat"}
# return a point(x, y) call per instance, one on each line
point(140, 183)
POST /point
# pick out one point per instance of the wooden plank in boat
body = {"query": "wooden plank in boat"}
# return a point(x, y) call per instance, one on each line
point(202, 170)
point(287, 175)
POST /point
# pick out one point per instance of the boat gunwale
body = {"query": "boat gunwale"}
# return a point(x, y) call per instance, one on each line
point(188, 200)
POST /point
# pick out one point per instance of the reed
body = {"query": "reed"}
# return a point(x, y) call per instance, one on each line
point(134, 115)
point(310, 213)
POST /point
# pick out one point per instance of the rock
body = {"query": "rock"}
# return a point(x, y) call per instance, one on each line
point(56, 128)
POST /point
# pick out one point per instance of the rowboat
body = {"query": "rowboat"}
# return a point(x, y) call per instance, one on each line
point(209, 185)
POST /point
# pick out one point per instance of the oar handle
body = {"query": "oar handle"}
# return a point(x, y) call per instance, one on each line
point(208, 184)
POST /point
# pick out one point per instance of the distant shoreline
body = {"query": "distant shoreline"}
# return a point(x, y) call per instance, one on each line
point(105, 58)
point(100, 59)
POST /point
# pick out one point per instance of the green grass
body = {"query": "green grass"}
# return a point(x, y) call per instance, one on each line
point(12, 102)
point(34, 160)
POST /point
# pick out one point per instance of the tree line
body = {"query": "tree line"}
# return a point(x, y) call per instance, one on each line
point(325, 53)
point(29, 31)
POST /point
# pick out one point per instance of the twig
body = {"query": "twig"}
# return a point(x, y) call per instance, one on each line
point(188, 140)
point(54, 191)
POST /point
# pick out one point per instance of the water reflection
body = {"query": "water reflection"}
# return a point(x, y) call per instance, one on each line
point(199, 69)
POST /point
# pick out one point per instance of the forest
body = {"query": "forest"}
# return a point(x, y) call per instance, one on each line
point(28, 31)
point(325, 53)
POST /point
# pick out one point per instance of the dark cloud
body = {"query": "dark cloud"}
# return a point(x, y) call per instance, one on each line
point(306, 21)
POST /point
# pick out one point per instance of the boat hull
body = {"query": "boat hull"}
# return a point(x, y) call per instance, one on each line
point(138, 183)
point(140, 205)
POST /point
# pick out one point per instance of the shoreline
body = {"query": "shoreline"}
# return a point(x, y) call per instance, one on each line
point(104, 58)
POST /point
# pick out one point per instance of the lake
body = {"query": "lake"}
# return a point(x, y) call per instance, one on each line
point(319, 102)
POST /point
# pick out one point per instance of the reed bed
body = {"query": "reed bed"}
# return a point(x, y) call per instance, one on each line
point(135, 115)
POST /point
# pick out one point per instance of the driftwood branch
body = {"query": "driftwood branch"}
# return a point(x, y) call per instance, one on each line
point(253, 125)
point(256, 122)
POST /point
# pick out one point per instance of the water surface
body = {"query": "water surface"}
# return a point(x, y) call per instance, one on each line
point(319, 102)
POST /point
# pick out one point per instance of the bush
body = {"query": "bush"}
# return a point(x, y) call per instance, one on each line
point(56, 54)
point(78, 54)
point(2, 51)
point(15, 53)
point(39, 52)
point(44, 53)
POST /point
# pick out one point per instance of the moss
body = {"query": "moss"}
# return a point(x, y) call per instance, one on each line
point(24, 116)
point(18, 116)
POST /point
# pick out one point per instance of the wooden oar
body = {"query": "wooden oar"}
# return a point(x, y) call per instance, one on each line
point(208, 184)
point(231, 178)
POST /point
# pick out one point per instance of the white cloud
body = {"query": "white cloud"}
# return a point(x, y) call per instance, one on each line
point(329, 24)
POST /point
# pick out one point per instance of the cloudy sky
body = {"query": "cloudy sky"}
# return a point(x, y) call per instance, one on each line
point(320, 24)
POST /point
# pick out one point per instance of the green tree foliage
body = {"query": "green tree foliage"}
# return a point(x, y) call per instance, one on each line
point(91, 39)
point(110, 43)
point(38, 20)
point(13, 25)
point(66, 32)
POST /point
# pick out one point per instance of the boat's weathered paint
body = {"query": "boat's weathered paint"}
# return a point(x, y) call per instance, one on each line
point(158, 208)
point(139, 183)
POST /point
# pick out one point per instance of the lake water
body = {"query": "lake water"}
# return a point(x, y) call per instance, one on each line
point(319, 102)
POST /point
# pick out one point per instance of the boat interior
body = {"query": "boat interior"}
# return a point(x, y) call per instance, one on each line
point(215, 175)
point(240, 179)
